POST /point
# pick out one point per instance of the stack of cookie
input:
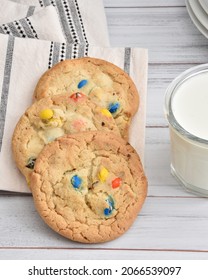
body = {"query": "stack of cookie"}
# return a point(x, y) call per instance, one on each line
point(87, 182)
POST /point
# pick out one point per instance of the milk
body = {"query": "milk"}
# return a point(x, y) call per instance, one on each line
point(187, 113)
point(190, 105)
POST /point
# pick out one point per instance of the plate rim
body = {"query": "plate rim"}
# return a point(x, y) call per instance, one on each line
point(195, 20)
point(199, 12)
point(204, 6)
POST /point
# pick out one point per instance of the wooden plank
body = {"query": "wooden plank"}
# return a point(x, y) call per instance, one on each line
point(168, 33)
point(77, 254)
point(143, 3)
point(157, 164)
point(164, 224)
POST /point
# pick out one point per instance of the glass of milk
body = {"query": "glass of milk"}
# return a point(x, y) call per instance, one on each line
point(186, 109)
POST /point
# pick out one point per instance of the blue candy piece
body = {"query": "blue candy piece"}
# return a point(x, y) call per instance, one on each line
point(113, 107)
point(82, 83)
point(76, 181)
point(110, 201)
point(108, 211)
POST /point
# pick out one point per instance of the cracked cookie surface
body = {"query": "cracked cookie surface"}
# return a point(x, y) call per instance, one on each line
point(52, 117)
point(89, 187)
point(104, 83)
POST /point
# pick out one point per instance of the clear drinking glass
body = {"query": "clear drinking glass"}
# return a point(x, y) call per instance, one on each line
point(189, 153)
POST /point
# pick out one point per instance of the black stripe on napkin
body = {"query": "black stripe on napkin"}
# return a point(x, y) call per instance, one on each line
point(19, 28)
point(28, 27)
point(5, 29)
point(56, 51)
point(2, 30)
point(81, 50)
point(47, 2)
point(70, 18)
point(13, 29)
point(50, 64)
point(41, 3)
point(52, 2)
point(77, 19)
point(30, 11)
point(5, 86)
point(59, 52)
point(66, 22)
point(68, 51)
point(127, 56)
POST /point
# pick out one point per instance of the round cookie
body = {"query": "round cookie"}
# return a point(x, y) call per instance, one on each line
point(52, 117)
point(89, 187)
point(103, 82)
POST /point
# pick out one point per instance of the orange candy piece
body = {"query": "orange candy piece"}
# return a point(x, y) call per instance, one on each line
point(77, 95)
point(116, 183)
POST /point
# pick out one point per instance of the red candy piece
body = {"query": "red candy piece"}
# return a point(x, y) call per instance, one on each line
point(77, 95)
point(116, 183)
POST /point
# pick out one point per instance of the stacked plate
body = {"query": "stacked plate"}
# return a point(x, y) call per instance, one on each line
point(198, 11)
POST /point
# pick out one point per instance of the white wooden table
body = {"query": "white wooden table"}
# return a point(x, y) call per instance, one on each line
point(173, 224)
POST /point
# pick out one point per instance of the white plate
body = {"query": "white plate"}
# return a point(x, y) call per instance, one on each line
point(204, 4)
point(195, 20)
point(199, 12)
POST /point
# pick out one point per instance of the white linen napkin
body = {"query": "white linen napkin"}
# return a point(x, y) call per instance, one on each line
point(35, 26)
point(28, 2)
point(23, 61)
point(71, 21)
point(11, 11)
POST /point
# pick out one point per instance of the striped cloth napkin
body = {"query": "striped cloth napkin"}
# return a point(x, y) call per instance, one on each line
point(68, 21)
point(23, 59)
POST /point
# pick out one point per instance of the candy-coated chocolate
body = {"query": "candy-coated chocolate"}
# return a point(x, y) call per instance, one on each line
point(31, 163)
point(46, 114)
point(76, 181)
point(103, 174)
point(105, 112)
point(76, 96)
point(110, 201)
point(116, 183)
point(108, 211)
point(113, 107)
point(82, 83)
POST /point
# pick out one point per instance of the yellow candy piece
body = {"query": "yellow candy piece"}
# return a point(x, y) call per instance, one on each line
point(105, 112)
point(46, 114)
point(103, 174)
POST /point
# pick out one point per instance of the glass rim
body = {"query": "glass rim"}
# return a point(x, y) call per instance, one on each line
point(169, 94)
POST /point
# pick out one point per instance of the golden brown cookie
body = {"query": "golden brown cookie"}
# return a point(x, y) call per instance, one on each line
point(103, 82)
point(89, 187)
point(52, 117)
